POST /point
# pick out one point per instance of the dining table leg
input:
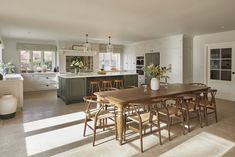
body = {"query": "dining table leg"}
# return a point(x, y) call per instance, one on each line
point(120, 124)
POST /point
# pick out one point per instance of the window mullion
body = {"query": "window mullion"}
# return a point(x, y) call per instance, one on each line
point(31, 60)
point(42, 59)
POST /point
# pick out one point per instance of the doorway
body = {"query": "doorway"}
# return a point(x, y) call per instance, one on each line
point(221, 69)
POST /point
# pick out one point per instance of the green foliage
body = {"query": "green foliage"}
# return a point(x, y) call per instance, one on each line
point(48, 64)
point(7, 67)
point(36, 63)
point(156, 71)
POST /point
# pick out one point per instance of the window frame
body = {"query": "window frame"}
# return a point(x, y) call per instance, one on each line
point(110, 65)
point(31, 66)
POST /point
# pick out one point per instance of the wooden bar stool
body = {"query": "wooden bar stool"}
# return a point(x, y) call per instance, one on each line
point(94, 87)
point(106, 85)
point(118, 84)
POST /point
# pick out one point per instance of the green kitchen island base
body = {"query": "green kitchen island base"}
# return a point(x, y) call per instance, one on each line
point(72, 88)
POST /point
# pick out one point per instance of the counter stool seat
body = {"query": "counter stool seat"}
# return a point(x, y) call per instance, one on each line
point(106, 85)
point(94, 87)
point(118, 84)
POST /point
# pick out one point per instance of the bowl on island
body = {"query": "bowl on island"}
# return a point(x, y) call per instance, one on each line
point(102, 72)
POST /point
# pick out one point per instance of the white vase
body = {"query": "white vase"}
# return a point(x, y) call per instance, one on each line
point(155, 84)
point(76, 71)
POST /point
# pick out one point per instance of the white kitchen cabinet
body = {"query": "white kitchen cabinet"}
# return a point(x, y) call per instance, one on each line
point(40, 81)
point(129, 63)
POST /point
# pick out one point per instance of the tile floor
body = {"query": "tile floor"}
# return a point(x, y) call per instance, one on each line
point(47, 127)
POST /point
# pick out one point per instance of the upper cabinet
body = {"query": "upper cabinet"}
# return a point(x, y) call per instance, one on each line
point(152, 58)
point(129, 62)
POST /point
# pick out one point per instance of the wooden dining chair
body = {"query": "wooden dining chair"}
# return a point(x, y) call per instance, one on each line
point(98, 115)
point(199, 85)
point(191, 106)
point(171, 109)
point(142, 116)
point(208, 104)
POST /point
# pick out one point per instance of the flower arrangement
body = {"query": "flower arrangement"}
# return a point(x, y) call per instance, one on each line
point(77, 63)
point(156, 71)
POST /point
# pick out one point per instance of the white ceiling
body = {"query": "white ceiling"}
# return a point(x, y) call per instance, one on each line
point(124, 20)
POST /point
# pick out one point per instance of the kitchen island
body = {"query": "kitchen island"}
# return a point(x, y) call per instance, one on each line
point(72, 88)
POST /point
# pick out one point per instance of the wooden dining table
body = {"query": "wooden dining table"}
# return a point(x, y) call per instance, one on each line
point(121, 98)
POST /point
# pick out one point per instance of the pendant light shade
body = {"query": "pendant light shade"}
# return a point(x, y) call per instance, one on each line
point(87, 45)
point(110, 46)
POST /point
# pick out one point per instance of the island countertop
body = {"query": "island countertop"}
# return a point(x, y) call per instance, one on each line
point(84, 75)
point(12, 77)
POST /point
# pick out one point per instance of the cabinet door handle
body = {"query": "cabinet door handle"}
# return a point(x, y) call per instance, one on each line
point(47, 77)
point(233, 72)
point(47, 85)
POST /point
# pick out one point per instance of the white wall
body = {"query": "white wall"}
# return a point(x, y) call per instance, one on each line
point(199, 51)
point(187, 59)
point(11, 54)
point(1, 47)
point(171, 52)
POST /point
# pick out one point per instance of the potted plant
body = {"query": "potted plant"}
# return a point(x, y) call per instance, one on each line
point(77, 64)
point(156, 73)
point(7, 68)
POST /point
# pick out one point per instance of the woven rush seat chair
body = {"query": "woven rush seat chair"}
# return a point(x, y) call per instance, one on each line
point(171, 109)
point(208, 105)
point(191, 106)
point(138, 117)
point(98, 115)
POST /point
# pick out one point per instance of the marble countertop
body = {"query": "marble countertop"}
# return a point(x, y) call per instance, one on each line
point(84, 75)
point(12, 77)
point(39, 73)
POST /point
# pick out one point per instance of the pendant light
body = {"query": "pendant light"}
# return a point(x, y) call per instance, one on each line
point(87, 45)
point(110, 46)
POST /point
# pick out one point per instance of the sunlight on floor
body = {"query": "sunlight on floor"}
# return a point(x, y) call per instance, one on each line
point(112, 148)
point(49, 122)
point(203, 144)
point(45, 141)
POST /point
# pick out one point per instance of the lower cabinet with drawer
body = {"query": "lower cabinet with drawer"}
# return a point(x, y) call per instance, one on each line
point(40, 81)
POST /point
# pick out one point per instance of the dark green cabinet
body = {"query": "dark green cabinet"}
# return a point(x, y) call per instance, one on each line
point(130, 80)
point(77, 89)
point(72, 90)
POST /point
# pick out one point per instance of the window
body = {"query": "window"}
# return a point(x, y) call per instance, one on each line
point(221, 64)
point(48, 59)
point(109, 61)
point(25, 59)
point(37, 60)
